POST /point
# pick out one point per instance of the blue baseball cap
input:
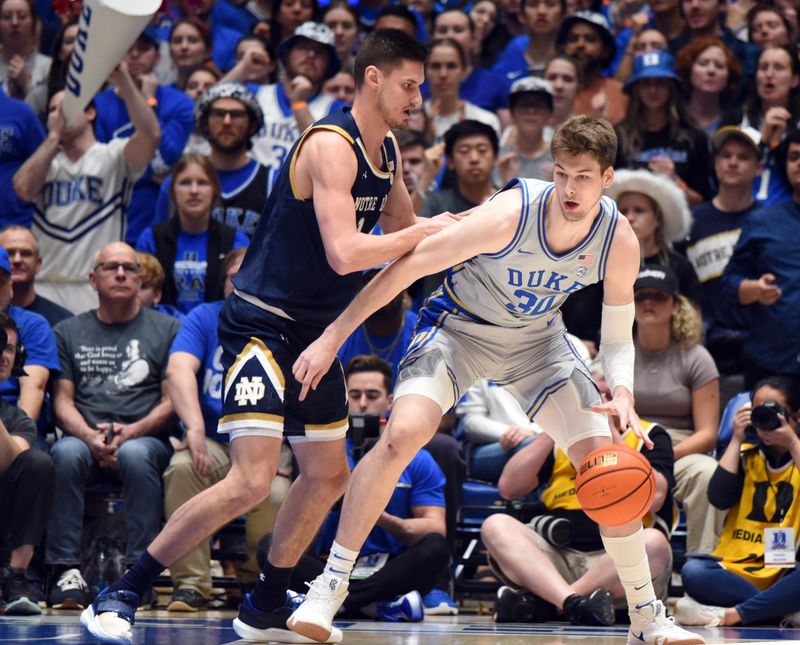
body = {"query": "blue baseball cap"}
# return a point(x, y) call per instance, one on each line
point(5, 264)
point(652, 65)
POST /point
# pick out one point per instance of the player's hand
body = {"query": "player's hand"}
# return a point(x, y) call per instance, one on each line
point(432, 225)
point(768, 292)
point(300, 89)
point(314, 363)
point(740, 422)
point(621, 410)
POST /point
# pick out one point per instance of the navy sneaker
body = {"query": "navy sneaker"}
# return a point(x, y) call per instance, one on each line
point(111, 616)
point(258, 626)
point(407, 609)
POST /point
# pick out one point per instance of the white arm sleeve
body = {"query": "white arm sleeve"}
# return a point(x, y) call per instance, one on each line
point(616, 345)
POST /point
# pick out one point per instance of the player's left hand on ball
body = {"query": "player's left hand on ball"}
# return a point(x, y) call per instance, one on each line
point(313, 364)
point(621, 406)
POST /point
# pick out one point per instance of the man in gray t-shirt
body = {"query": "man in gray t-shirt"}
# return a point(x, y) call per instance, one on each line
point(110, 401)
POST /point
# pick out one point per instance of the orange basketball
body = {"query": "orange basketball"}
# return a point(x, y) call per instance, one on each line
point(615, 485)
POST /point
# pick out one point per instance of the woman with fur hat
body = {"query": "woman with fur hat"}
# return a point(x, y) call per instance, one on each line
point(659, 215)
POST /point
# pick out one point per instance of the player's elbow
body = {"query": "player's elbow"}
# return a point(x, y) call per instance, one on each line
point(342, 262)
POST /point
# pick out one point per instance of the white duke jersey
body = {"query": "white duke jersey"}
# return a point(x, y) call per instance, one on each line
point(272, 143)
point(527, 280)
point(80, 208)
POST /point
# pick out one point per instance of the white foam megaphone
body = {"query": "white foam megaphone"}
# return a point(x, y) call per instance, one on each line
point(106, 30)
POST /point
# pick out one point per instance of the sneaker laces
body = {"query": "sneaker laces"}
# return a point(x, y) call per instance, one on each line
point(318, 595)
point(71, 579)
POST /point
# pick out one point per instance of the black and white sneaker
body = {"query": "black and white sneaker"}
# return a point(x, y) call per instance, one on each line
point(70, 592)
point(268, 626)
point(19, 597)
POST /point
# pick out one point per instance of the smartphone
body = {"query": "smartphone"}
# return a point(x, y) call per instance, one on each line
point(109, 433)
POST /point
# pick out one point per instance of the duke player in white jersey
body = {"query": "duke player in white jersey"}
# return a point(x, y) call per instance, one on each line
point(81, 189)
point(513, 261)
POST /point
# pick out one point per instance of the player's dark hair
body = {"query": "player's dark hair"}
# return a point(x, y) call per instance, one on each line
point(386, 49)
point(371, 363)
point(790, 387)
point(469, 128)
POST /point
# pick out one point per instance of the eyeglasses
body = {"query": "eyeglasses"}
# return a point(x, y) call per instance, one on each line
point(113, 267)
point(656, 296)
point(220, 114)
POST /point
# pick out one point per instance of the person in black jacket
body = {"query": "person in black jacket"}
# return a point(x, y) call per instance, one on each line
point(191, 245)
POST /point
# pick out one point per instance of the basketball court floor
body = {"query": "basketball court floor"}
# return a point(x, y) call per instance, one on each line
point(214, 628)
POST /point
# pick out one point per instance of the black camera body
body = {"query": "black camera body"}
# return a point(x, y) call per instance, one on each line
point(364, 427)
point(765, 417)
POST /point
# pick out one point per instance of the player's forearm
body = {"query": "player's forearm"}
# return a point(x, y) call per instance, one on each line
point(365, 251)
point(29, 179)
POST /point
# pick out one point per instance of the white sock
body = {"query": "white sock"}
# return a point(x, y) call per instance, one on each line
point(630, 558)
point(340, 561)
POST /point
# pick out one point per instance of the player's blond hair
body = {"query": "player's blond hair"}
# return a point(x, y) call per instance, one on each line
point(585, 135)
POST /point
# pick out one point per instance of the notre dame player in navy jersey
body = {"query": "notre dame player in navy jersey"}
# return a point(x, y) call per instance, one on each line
point(301, 270)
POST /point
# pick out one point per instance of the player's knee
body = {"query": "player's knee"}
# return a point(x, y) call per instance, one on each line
point(403, 441)
point(248, 488)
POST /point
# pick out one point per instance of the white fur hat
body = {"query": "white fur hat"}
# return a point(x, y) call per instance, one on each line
point(663, 191)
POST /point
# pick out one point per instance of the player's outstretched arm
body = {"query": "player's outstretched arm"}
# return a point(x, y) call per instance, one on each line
point(489, 228)
point(325, 170)
point(616, 329)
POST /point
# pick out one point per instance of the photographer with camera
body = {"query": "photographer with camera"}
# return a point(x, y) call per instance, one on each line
point(406, 553)
point(751, 577)
point(26, 487)
point(556, 563)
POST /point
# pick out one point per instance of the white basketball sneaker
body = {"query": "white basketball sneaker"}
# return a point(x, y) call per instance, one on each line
point(690, 612)
point(649, 624)
point(314, 618)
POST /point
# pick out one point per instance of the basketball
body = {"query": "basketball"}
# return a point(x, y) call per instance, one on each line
point(615, 485)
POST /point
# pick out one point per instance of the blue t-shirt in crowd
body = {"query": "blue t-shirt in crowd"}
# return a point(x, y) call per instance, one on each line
point(191, 261)
point(175, 111)
point(420, 484)
point(40, 344)
point(391, 349)
point(21, 133)
point(198, 337)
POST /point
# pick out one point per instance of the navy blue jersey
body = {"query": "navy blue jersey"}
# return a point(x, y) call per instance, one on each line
point(286, 267)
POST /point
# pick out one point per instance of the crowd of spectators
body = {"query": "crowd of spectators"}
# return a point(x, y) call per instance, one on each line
point(120, 233)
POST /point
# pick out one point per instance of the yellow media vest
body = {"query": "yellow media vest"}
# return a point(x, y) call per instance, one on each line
point(769, 500)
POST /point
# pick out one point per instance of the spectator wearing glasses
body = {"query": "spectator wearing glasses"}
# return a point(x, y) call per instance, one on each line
point(112, 404)
point(229, 116)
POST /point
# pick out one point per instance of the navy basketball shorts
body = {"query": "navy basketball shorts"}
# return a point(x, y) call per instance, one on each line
point(260, 393)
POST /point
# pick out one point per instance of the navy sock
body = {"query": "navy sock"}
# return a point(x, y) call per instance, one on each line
point(270, 590)
point(140, 576)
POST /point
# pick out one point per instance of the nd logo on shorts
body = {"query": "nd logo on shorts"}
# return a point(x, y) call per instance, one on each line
point(253, 394)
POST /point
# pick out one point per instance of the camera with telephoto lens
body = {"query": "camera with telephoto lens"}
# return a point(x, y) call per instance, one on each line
point(765, 416)
point(556, 530)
